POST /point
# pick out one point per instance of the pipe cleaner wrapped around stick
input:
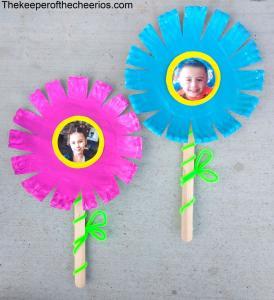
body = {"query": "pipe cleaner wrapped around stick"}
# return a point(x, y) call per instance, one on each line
point(192, 78)
point(76, 146)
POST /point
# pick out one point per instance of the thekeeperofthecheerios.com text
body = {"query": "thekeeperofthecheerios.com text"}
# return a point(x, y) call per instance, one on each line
point(64, 5)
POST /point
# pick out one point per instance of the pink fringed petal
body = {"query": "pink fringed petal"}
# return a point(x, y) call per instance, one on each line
point(89, 200)
point(129, 123)
point(63, 198)
point(28, 120)
point(108, 189)
point(55, 91)
point(38, 186)
point(130, 146)
point(25, 164)
point(125, 170)
point(77, 87)
point(117, 105)
point(21, 140)
point(100, 91)
point(40, 102)
point(58, 200)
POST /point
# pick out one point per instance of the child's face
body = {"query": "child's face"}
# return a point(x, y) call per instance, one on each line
point(77, 142)
point(193, 80)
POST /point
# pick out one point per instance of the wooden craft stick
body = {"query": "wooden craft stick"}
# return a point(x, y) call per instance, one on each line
point(80, 256)
point(188, 191)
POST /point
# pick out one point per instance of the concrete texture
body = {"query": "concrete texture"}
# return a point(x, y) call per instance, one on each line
point(231, 256)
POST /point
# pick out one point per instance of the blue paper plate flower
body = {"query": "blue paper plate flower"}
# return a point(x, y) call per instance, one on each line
point(227, 53)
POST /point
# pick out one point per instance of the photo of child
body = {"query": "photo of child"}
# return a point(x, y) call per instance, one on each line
point(193, 79)
point(78, 141)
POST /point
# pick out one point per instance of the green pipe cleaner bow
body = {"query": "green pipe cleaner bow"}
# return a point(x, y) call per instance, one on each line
point(204, 157)
point(93, 227)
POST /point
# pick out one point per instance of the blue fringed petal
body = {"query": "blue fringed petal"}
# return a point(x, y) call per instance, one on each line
point(137, 79)
point(251, 80)
point(247, 55)
point(145, 102)
point(194, 20)
point(170, 27)
point(216, 26)
point(158, 122)
point(234, 38)
point(138, 58)
point(203, 131)
point(245, 104)
point(226, 124)
point(153, 43)
point(178, 130)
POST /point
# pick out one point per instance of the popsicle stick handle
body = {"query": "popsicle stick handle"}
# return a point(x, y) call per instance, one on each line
point(80, 255)
point(188, 190)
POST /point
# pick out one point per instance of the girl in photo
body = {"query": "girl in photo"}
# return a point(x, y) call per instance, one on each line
point(77, 142)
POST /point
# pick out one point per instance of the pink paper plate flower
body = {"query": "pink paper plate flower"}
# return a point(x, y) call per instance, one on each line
point(50, 172)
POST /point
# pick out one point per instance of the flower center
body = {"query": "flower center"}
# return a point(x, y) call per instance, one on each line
point(193, 78)
point(78, 142)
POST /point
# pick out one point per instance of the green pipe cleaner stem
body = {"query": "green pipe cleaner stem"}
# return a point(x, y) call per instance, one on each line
point(186, 205)
point(92, 227)
point(204, 157)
